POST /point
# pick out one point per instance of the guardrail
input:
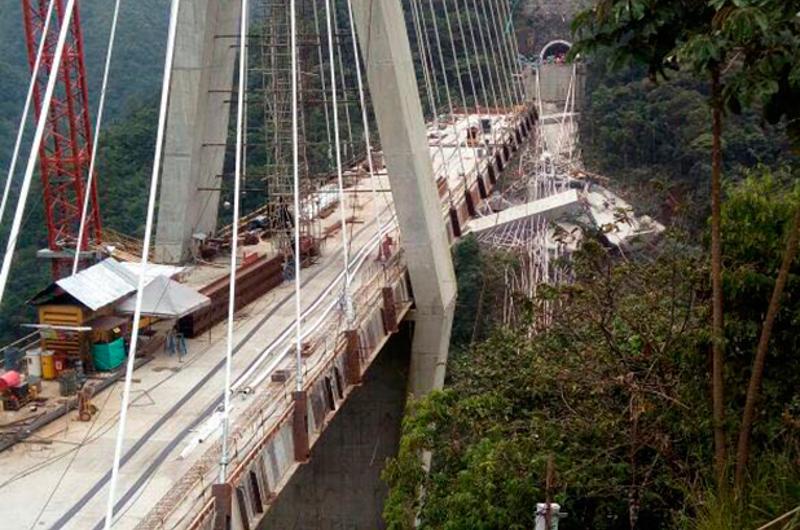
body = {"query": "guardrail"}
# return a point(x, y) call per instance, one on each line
point(27, 342)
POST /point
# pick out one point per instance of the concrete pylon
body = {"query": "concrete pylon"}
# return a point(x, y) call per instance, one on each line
point(197, 124)
point(395, 99)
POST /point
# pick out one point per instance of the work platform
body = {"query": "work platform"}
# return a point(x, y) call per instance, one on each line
point(172, 451)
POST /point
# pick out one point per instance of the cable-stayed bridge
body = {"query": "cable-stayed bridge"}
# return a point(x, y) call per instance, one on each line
point(315, 161)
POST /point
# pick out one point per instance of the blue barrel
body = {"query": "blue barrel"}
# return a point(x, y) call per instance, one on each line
point(12, 359)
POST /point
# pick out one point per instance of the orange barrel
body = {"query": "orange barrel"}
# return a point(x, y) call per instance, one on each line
point(48, 366)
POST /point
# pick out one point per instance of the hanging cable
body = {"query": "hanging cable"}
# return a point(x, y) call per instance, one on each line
point(419, 61)
point(507, 11)
point(26, 110)
point(483, 53)
point(343, 76)
point(323, 82)
point(429, 49)
point(447, 90)
point(461, 90)
point(151, 207)
point(492, 55)
point(502, 43)
point(467, 113)
point(338, 152)
point(479, 67)
point(428, 85)
point(365, 119)
point(296, 178)
point(246, 126)
point(100, 108)
point(504, 60)
point(237, 180)
point(466, 56)
point(37, 142)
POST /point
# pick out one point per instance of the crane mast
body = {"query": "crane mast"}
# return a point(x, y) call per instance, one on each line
point(66, 149)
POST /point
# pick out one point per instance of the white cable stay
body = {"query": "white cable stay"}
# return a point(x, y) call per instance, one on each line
point(343, 78)
point(503, 52)
point(502, 81)
point(339, 170)
point(237, 182)
point(95, 141)
point(427, 76)
point(484, 54)
point(356, 262)
point(296, 178)
point(250, 378)
point(506, 6)
point(323, 81)
point(483, 82)
point(355, 265)
point(447, 89)
point(26, 110)
point(37, 142)
point(137, 315)
point(365, 118)
point(467, 55)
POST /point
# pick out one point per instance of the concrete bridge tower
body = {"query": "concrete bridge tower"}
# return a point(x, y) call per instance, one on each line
point(197, 125)
point(193, 162)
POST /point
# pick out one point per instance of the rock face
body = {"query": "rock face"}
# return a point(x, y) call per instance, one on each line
point(540, 21)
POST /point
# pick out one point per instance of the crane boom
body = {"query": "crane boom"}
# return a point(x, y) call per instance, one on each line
point(66, 149)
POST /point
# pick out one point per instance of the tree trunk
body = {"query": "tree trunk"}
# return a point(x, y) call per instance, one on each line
point(717, 330)
point(753, 389)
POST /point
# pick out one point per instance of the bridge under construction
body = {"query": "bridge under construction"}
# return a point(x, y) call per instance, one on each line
point(185, 378)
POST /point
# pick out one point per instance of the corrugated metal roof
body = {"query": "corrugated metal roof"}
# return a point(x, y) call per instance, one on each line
point(100, 284)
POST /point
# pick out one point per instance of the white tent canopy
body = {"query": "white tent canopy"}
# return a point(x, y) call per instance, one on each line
point(166, 298)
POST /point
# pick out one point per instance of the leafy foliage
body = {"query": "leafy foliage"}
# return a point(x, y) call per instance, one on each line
point(616, 391)
point(654, 140)
point(480, 290)
point(613, 389)
point(755, 218)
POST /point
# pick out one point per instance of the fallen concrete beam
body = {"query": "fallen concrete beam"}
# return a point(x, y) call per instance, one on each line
point(551, 207)
point(617, 220)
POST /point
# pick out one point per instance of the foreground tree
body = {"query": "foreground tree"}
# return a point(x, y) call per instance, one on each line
point(767, 37)
point(658, 33)
point(749, 50)
point(609, 390)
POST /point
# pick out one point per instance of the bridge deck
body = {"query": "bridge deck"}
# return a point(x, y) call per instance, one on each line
point(170, 453)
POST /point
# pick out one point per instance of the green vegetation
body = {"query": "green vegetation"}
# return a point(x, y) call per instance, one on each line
point(616, 391)
point(656, 411)
point(652, 139)
point(126, 145)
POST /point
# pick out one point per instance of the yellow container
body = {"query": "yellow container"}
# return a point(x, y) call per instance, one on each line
point(48, 366)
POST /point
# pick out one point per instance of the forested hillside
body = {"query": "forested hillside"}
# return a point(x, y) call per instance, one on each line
point(127, 138)
point(636, 407)
point(136, 66)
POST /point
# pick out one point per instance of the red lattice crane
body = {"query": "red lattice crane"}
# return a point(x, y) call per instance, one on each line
point(66, 150)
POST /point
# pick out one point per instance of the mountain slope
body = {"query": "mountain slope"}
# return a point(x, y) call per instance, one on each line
point(127, 135)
